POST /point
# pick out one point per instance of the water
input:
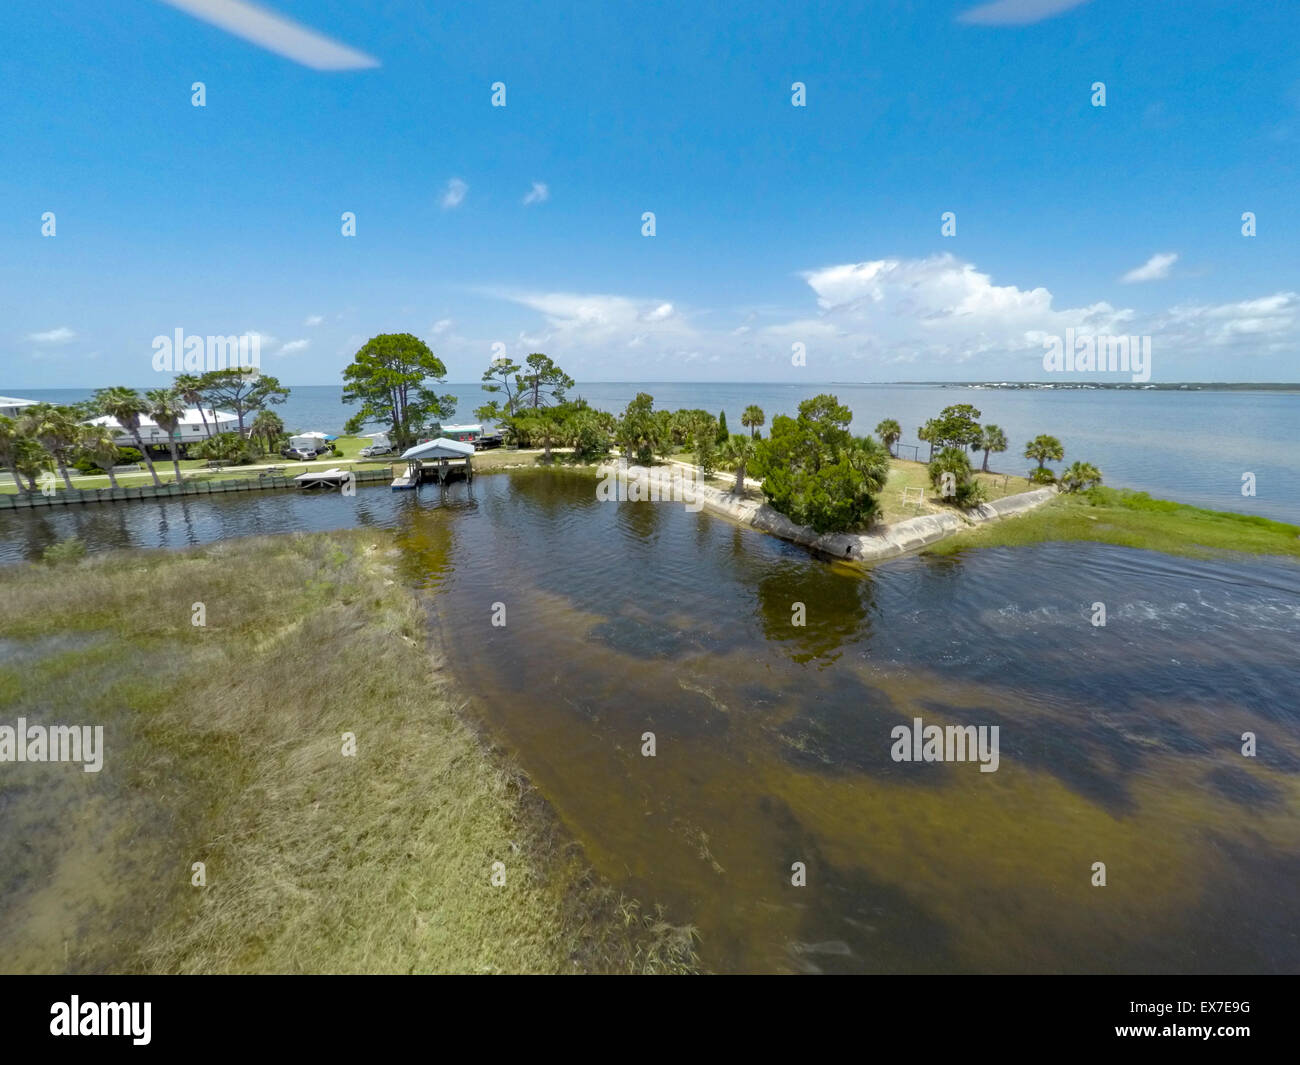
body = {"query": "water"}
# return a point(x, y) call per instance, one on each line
point(1118, 744)
point(1190, 446)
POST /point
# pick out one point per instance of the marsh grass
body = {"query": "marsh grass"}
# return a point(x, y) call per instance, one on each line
point(224, 746)
point(1134, 519)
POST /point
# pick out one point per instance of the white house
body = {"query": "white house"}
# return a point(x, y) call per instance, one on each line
point(190, 430)
point(11, 408)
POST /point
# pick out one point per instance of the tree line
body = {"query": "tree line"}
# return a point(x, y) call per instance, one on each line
point(49, 436)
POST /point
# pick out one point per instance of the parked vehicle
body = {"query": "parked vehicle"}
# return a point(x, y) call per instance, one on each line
point(376, 449)
point(309, 446)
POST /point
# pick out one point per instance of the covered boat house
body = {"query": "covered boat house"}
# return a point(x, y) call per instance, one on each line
point(438, 460)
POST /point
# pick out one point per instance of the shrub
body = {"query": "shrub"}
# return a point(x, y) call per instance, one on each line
point(1042, 475)
point(229, 447)
point(966, 490)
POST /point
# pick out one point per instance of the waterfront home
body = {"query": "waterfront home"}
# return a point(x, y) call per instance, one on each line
point(11, 407)
point(190, 430)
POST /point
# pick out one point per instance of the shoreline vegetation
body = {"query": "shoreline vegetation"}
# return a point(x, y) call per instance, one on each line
point(225, 745)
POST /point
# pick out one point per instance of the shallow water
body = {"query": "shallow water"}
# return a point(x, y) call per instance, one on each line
point(1118, 744)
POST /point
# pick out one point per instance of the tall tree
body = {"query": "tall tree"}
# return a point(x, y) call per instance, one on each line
point(638, 430)
point(388, 377)
point(992, 438)
point(190, 388)
point(923, 433)
point(12, 441)
point(56, 429)
point(956, 426)
point(816, 473)
point(98, 444)
point(125, 406)
point(242, 389)
point(723, 433)
point(497, 378)
point(889, 432)
point(544, 383)
point(167, 409)
point(753, 419)
point(267, 427)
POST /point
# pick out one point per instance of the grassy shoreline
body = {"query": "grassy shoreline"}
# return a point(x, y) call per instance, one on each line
point(224, 745)
point(1133, 519)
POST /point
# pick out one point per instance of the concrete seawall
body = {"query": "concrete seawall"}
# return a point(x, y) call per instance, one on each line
point(186, 489)
point(897, 539)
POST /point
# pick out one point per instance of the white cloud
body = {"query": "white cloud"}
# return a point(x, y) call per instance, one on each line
point(1154, 269)
point(441, 326)
point(61, 335)
point(664, 310)
point(538, 194)
point(1016, 12)
point(937, 317)
point(313, 319)
point(455, 194)
point(294, 346)
point(276, 34)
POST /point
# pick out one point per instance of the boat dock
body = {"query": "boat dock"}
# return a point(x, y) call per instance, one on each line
point(184, 490)
point(439, 461)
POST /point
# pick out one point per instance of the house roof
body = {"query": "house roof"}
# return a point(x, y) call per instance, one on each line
point(442, 448)
point(189, 417)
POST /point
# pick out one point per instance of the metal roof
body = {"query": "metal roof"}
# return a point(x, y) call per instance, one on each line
point(442, 448)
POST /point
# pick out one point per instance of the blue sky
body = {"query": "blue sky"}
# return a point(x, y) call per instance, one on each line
point(775, 225)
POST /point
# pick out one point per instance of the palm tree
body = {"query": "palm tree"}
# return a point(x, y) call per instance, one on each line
point(165, 409)
point(1044, 448)
point(125, 406)
point(1080, 476)
point(267, 427)
point(753, 419)
point(924, 434)
point(12, 443)
point(540, 428)
point(889, 432)
point(98, 444)
point(190, 388)
point(738, 451)
point(871, 459)
point(992, 438)
point(55, 428)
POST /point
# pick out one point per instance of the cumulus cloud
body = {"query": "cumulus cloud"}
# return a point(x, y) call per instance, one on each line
point(1016, 12)
point(539, 193)
point(61, 335)
point(937, 317)
point(295, 346)
point(455, 192)
point(313, 319)
point(441, 326)
point(1154, 269)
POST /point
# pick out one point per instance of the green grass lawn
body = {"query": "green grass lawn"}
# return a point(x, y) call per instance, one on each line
point(902, 474)
point(196, 469)
point(1133, 519)
point(224, 745)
